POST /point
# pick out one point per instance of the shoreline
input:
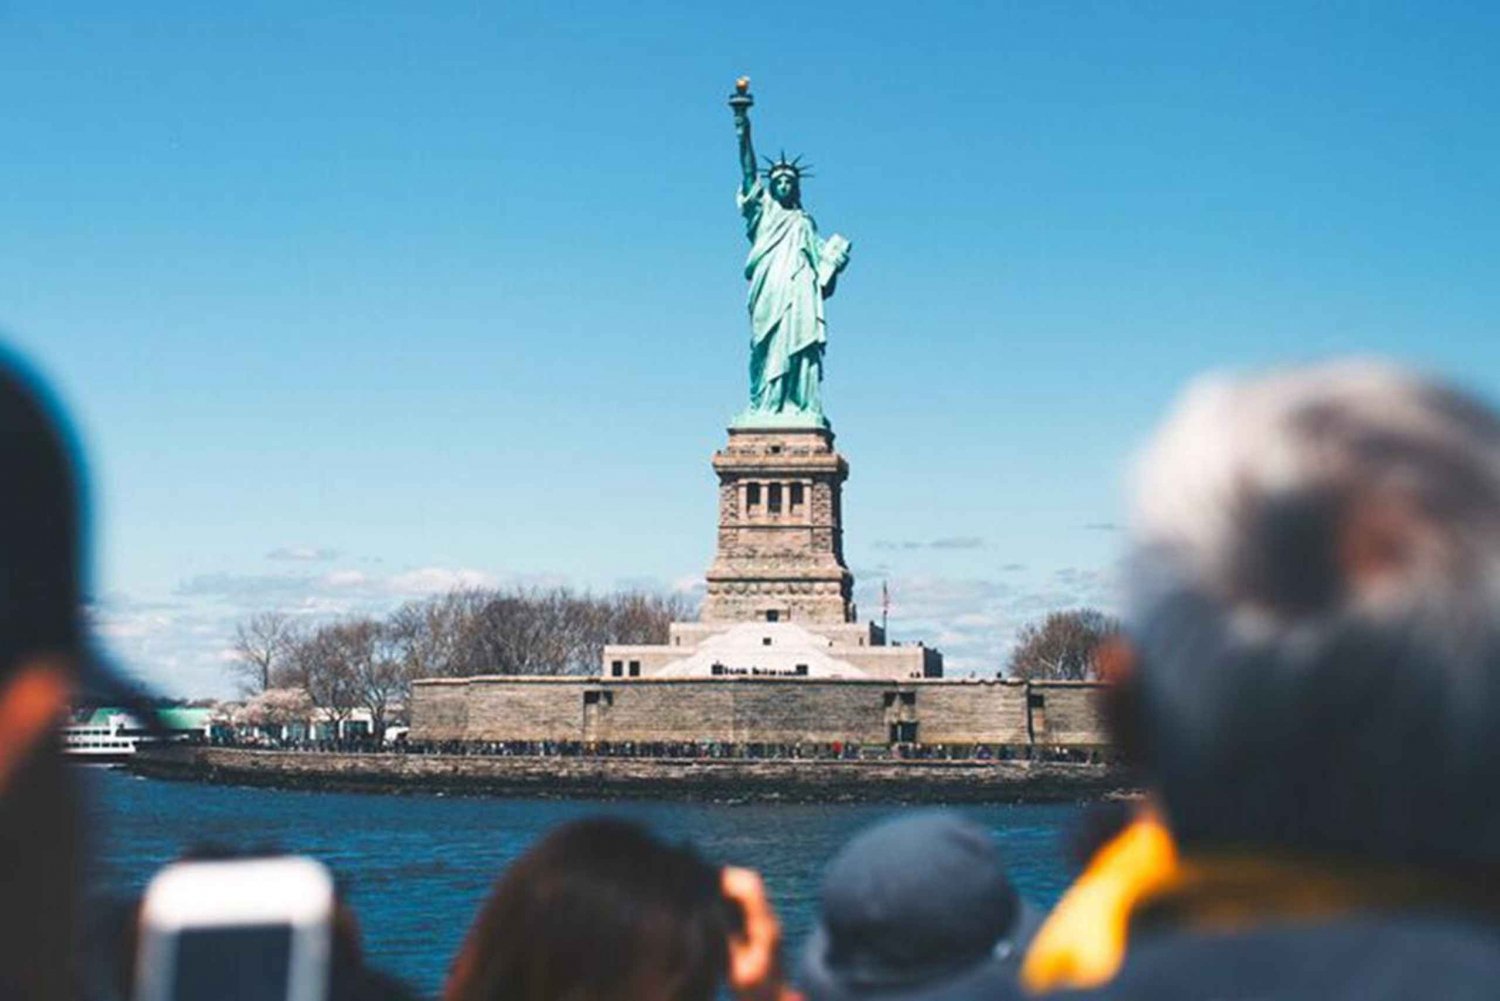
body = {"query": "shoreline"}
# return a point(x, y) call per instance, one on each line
point(702, 780)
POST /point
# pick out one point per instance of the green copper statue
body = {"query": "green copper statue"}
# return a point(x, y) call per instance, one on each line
point(791, 271)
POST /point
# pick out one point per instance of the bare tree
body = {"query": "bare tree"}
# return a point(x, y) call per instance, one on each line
point(381, 673)
point(261, 647)
point(559, 631)
point(364, 663)
point(522, 632)
point(1062, 647)
point(323, 664)
point(428, 635)
point(639, 617)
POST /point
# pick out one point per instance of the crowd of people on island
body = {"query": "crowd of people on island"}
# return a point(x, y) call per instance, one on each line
point(1309, 687)
point(836, 750)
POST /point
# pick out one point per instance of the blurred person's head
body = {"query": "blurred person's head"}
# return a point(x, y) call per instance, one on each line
point(1315, 617)
point(915, 908)
point(45, 661)
point(41, 633)
point(598, 910)
point(41, 641)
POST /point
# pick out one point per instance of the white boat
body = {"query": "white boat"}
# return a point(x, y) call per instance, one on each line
point(107, 741)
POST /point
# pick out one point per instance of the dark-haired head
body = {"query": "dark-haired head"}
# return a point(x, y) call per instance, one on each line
point(598, 910)
point(45, 662)
point(40, 637)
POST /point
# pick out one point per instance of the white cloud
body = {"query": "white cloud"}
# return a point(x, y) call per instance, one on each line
point(132, 626)
point(174, 648)
point(345, 579)
point(438, 580)
point(303, 554)
point(974, 620)
point(947, 542)
point(250, 589)
point(181, 647)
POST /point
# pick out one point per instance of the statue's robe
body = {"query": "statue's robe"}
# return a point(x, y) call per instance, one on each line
point(786, 304)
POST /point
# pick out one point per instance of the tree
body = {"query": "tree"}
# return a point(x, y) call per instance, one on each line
point(365, 663)
point(428, 635)
point(559, 631)
point(275, 707)
point(638, 617)
point(323, 665)
point(261, 647)
point(514, 632)
point(1063, 646)
point(381, 674)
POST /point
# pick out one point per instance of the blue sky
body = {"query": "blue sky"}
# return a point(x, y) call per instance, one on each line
point(355, 303)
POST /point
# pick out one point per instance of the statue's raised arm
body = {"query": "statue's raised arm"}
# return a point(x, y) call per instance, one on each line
point(741, 101)
point(791, 271)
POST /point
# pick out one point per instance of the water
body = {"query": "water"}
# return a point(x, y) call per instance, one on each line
point(416, 868)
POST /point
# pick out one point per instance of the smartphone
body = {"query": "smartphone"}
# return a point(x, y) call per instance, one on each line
point(236, 930)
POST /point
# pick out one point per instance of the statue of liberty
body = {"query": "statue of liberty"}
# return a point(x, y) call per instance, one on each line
point(791, 271)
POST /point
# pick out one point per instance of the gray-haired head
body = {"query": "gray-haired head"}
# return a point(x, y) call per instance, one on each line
point(1316, 605)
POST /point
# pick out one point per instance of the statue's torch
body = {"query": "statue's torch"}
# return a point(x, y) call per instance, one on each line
point(741, 100)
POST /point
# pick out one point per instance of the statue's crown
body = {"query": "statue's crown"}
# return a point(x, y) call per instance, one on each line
point(781, 165)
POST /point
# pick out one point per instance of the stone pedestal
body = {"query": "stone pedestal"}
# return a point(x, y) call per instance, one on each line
point(780, 560)
point(781, 548)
